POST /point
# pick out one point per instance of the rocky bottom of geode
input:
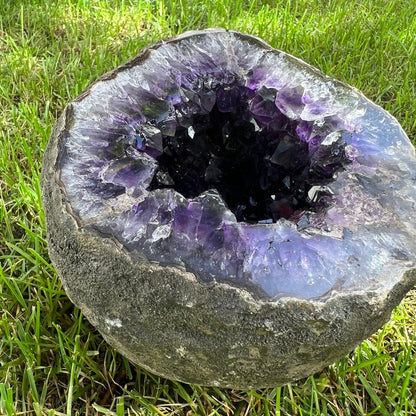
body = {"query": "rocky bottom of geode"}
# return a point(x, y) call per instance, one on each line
point(166, 321)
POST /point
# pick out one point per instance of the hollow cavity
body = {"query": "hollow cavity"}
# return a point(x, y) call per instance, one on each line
point(265, 165)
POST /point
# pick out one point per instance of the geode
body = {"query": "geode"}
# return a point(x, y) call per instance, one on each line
point(226, 215)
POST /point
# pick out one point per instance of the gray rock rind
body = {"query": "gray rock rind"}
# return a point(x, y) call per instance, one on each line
point(166, 321)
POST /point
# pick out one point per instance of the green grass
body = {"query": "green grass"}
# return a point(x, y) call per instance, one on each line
point(52, 362)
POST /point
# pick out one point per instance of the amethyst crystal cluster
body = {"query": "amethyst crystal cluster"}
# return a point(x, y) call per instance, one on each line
point(215, 170)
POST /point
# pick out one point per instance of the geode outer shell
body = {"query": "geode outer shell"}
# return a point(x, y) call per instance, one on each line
point(268, 302)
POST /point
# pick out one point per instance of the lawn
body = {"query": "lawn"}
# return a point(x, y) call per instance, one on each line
point(52, 362)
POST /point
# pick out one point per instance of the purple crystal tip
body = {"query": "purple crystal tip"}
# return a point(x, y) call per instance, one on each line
point(214, 152)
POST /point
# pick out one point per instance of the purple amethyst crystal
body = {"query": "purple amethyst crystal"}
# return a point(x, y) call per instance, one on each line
point(240, 167)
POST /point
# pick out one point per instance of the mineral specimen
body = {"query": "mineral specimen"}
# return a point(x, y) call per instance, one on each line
point(225, 214)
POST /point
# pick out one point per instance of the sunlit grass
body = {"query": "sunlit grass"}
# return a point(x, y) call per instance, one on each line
point(51, 360)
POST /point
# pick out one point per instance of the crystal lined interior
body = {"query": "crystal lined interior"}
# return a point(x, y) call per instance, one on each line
point(244, 165)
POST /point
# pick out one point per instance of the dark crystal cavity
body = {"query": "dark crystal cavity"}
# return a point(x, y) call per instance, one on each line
point(246, 149)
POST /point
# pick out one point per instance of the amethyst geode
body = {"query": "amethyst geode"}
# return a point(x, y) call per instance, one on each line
point(227, 215)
